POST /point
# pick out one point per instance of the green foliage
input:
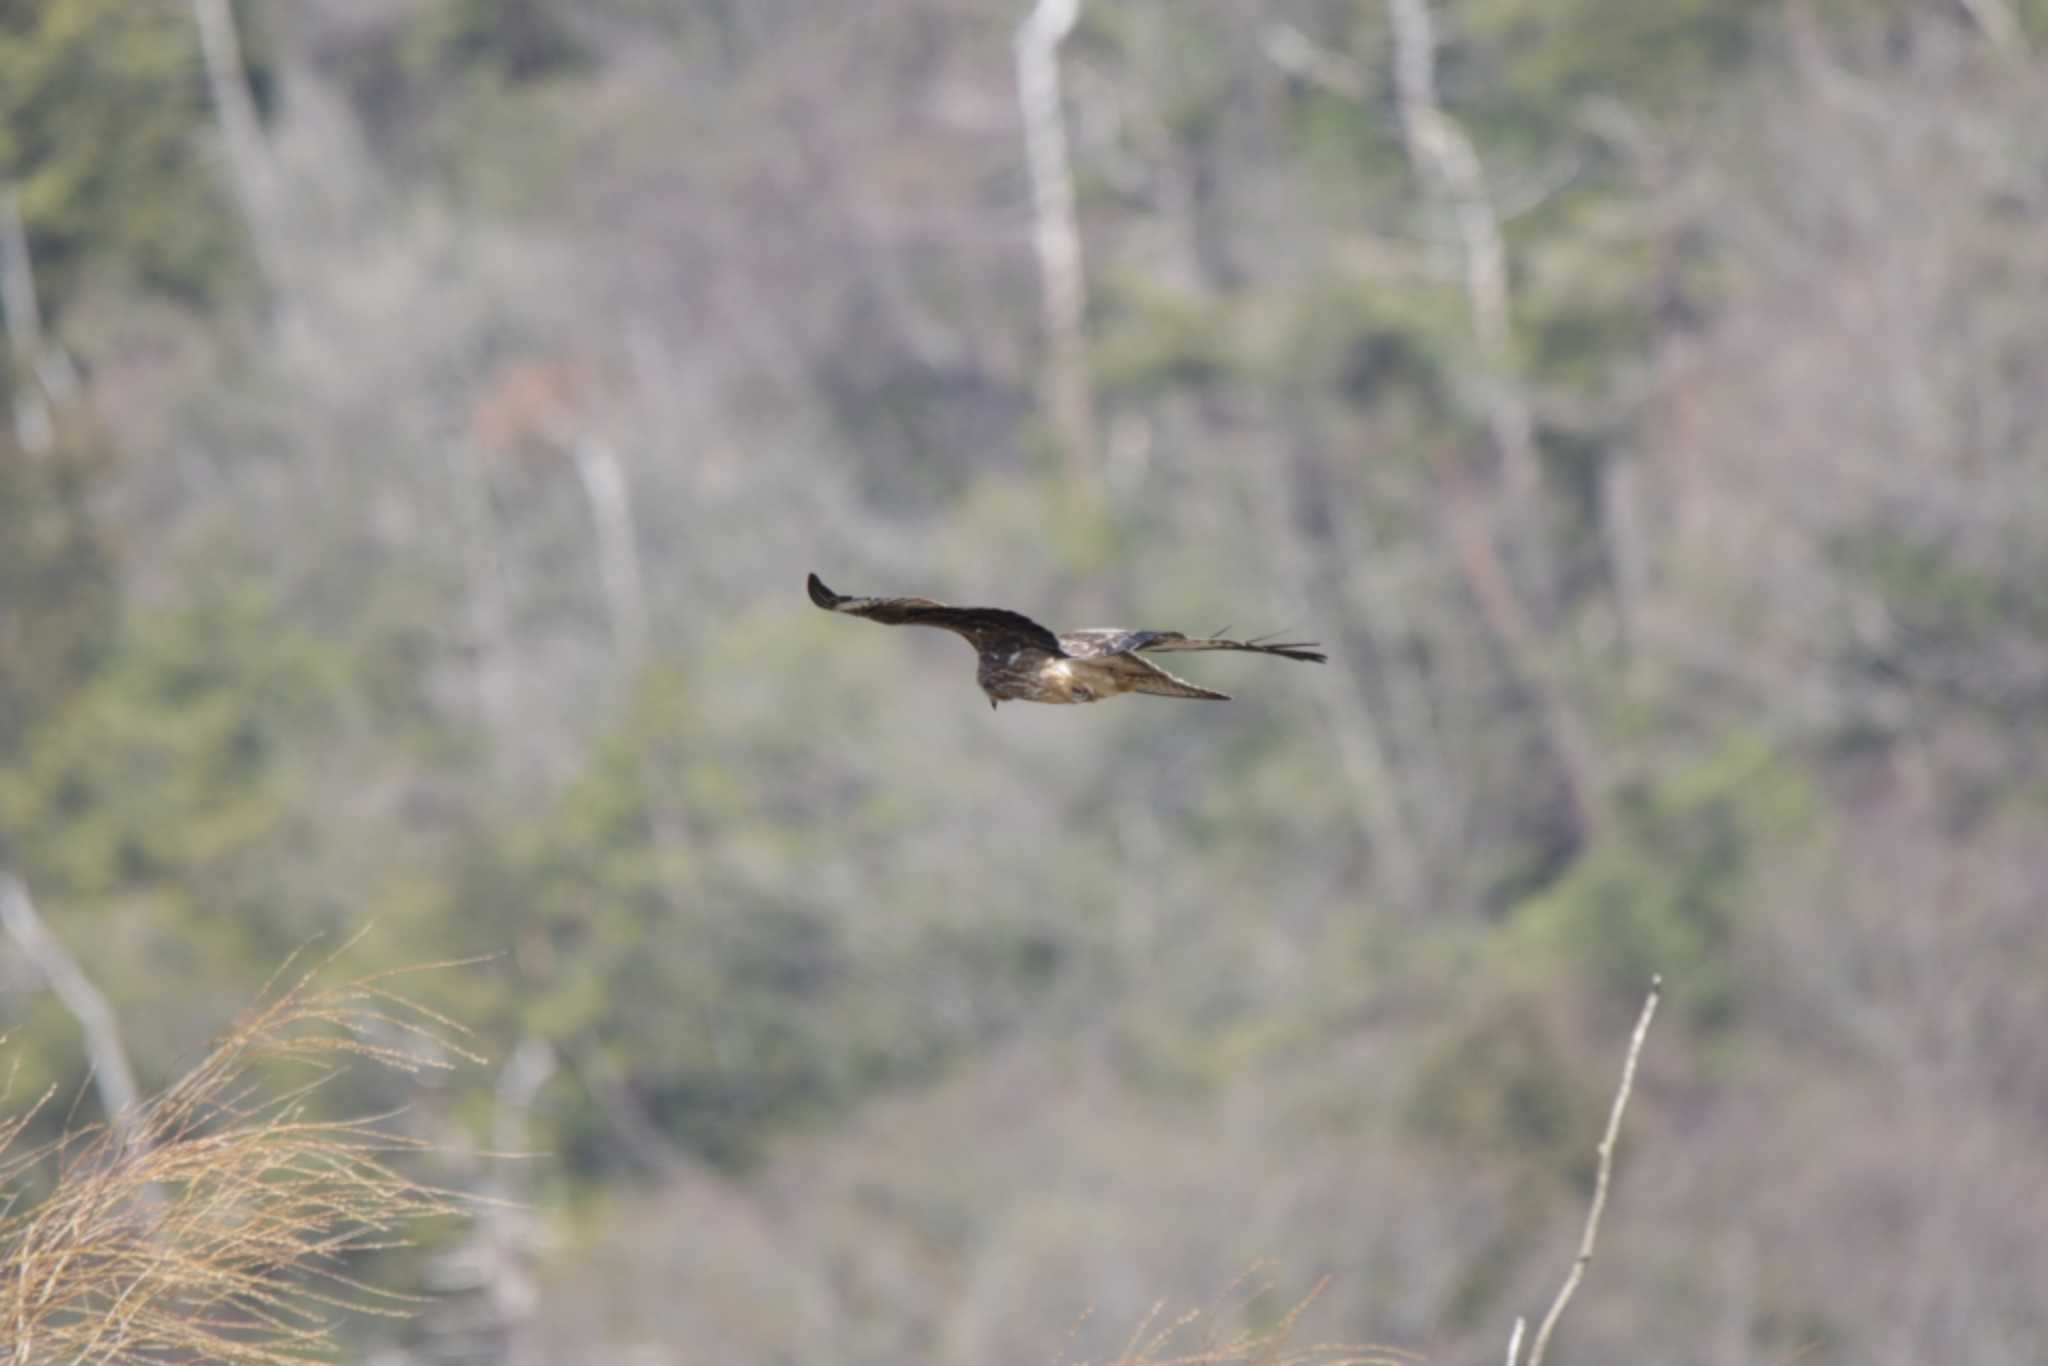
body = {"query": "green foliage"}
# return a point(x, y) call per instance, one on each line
point(1351, 152)
point(457, 90)
point(183, 723)
point(779, 876)
point(1391, 350)
point(1530, 63)
point(1072, 529)
point(506, 40)
point(676, 930)
point(57, 594)
point(156, 810)
point(102, 109)
point(1149, 339)
point(1663, 892)
point(1500, 1086)
point(1950, 597)
point(1585, 287)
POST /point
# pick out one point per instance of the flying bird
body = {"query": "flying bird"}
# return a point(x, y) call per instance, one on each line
point(1022, 661)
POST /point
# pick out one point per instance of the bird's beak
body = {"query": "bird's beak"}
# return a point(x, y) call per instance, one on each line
point(993, 704)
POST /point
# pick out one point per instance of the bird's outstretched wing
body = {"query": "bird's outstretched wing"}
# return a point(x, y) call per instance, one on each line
point(1144, 676)
point(1102, 643)
point(984, 626)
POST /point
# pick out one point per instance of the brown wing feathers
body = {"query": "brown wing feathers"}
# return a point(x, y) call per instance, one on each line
point(1098, 644)
point(1304, 650)
point(993, 628)
point(979, 624)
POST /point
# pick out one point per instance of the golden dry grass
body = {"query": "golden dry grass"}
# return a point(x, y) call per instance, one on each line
point(219, 1220)
point(1199, 1337)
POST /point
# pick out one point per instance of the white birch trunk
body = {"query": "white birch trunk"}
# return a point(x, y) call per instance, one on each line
point(603, 476)
point(1057, 236)
point(249, 161)
point(112, 1076)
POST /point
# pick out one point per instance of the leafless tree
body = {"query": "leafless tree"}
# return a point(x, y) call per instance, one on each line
point(1057, 234)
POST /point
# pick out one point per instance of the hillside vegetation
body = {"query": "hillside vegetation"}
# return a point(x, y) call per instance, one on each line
point(437, 406)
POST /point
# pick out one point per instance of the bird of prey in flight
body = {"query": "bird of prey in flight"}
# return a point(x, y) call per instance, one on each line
point(1021, 661)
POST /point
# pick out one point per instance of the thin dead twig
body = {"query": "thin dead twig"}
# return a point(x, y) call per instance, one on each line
point(1600, 1181)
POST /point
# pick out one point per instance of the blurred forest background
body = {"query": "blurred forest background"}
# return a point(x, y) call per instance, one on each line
point(424, 413)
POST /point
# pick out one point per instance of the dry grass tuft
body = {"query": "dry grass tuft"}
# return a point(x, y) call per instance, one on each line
point(1198, 1338)
point(217, 1220)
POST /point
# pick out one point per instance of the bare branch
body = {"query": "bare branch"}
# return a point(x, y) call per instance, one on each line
point(249, 160)
point(1515, 1339)
point(112, 1076)
point(1995, 19)
point(1063, 281)
point(1600, 1180)
point(1301, 56)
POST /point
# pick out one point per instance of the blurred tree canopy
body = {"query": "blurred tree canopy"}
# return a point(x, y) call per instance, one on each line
point(460, 593)
point(103, 126)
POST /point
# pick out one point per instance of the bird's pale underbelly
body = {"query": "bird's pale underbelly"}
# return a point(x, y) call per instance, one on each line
point(1079, 680)
point(1029, 676)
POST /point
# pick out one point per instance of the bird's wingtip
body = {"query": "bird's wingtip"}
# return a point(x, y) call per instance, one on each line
point(1307, 651)
point(820, 594)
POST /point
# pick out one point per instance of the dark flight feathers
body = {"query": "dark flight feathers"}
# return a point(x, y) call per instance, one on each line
point(978, 624)
point(1096, 644)
point(1023, 661)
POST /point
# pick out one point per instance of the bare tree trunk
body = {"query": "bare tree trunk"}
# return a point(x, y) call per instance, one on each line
point(1995, 19)
point(1443, 154)
point(1063, 283)
point(488, 1295)
point(603, 476)
point(112, 1076)
point(43, 373)
point(249, 161)
point(511, 1224)
point(17, 276)
point(1487, 578)
point(33, 427)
